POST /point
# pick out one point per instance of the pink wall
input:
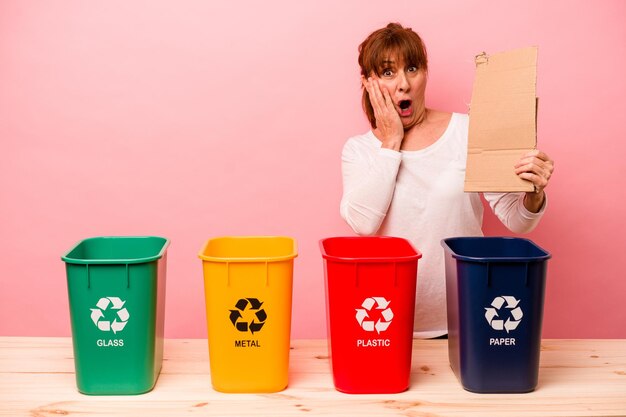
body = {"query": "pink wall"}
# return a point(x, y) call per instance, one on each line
point(198, 119)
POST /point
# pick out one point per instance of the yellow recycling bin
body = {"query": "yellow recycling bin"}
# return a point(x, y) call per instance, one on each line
point(248, 286)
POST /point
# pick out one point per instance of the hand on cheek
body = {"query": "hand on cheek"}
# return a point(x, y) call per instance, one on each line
point(388, 123)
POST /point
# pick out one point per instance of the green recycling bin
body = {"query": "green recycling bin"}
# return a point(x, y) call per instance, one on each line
point(116, 289)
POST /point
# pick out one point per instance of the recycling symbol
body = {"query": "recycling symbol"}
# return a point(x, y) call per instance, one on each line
point(110, 303)
point(514, 316)
point(237, 318)
point(383, 322)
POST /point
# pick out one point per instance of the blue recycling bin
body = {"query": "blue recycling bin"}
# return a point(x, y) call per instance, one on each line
point(495, 292)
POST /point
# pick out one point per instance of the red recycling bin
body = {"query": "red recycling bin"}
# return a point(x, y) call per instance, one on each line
point(370, 300)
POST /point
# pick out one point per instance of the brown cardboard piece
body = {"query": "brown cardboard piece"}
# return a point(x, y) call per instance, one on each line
point(503, 120)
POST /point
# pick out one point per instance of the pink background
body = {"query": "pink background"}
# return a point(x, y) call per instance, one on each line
point(197, 119)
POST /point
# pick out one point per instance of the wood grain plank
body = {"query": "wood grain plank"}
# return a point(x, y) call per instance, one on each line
point(576, 378)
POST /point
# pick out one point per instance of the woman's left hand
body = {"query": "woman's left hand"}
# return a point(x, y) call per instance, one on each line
point(536, 167)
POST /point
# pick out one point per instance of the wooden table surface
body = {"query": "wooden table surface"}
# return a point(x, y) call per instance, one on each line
point(576, 378)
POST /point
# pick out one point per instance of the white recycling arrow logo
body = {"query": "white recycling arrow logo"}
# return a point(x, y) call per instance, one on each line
point(362, 315)
point(97, 314)
point(515, 313)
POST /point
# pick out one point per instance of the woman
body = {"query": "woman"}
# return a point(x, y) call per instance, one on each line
point(405, 176)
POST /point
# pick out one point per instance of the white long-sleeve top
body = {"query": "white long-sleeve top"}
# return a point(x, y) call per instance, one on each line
point(418, 195)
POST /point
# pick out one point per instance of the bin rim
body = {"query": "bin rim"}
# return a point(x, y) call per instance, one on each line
point(370, 259)
point(115, 261)
point(263, 259)
point(544, 257)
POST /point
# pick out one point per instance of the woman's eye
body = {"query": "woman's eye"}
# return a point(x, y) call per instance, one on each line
point(387, 73)
point(412, 69)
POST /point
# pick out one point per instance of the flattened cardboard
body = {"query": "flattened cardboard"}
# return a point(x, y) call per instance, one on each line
point(502, 120)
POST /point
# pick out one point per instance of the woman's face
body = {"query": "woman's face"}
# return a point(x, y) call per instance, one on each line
point(406, 85)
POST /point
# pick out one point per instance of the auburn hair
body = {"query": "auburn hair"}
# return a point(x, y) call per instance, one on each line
point(393, 40)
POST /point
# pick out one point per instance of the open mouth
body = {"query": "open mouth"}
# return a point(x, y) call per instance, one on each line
point(404, 104)
point(406, 109)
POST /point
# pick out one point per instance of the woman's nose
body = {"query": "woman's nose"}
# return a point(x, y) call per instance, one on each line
point(403, 83)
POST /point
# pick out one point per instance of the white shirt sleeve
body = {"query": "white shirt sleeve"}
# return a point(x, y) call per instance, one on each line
point(369, 180)
point(509, 208)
